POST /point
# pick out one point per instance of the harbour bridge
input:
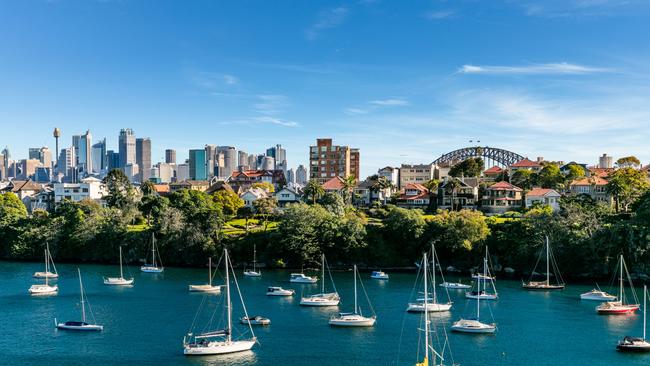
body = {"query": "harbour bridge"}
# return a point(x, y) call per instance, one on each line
point(490, 155)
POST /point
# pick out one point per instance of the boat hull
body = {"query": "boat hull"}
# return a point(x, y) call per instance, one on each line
point(48, 275)
point(319, 302)
point(637, 346)
point(534, 287)
point(352, 321)
point(281, 293)
point(114, 281)
point(40, 290)
point(597, 297)
point(204, 288)
point(473, 326)
point(81, 328)
point(618, 311)
point(149, 269)
point(431, 307)
point(252, 274)
point(470, 295)
point(455, 286)
point(263, 321)
point(218, 348)
point(303, 280)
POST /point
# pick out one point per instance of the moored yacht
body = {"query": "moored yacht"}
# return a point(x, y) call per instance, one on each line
point(546, 285)
point(597, 295)
point(356, 318)
point(323, 298)
point(119, 281)
point(255, 320)
point(43, 289)
point(455, 285)
point(635, 344)
point(153, 267)
point(301, 278)
point(208, 287)
point(48, 259)
point(481, 292)
point(82, 325)
point(379, 275)
point(621, 306)
point(253, 272)
point(430, 304)
point(279, 291)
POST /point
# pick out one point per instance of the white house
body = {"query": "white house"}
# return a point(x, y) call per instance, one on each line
point(89, 188)
point(253, 194)
point(543, 196)
point(287, 195)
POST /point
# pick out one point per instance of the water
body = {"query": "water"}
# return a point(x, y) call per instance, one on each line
point(144, 325)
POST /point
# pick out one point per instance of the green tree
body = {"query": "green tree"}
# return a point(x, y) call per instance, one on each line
point(550, 177)
point(228, 201)
point(628, 162)
point(575, 172)
point(267, 186)
point(334, 203)
point(405, 227)
point(245, 213)
point(121, 193)
point(524, 179)
point(626, 185)
point(432, 185)
point(314, 190)
point(11, 209)
point(349, 183)
point(265, 207)
point(472, 167)
point(460, 230)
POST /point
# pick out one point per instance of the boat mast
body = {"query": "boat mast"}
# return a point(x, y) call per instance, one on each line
point(153, 248)
point(433, 261)
point(254, 256)
point(548, 278)
point(228, 305)
point(210, 271)
point(355, 290)
point(645, 290)
point(121, 273)
point(46, 268)
point(322, 284)
point(81, 290)
point(621, 282)
point(426, 311)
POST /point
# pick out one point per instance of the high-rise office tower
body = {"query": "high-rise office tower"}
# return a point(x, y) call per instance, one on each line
point(34, 153)
point(2, 167)
point(605, 162)
point(291, 176)
point(252, 162)
point(85, 162)
point(230, 161)
point(301, 175)
point(99, 157)
point(170, 156)
point(126, 147)
point(242, 158)
point(5, 164)
point(327, 161)
point(197, 165)
point(280, 156)
point(211, 160)
point(67, 161)
point(112, 160)
point(132, 171)
point(268, 163)
point(143, 158)
point(45, 157)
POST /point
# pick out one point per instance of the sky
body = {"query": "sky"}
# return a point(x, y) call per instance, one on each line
point(403, 81)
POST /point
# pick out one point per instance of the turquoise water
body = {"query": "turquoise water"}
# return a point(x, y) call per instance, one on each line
point(144, 325)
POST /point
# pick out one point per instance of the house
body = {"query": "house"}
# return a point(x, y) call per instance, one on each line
point(414, 195)
point(219, 185)
point(493, 173)
point(390, 173)
point(162, 189)
point(594, 186)
point(543, 196)
point(196, 185)
point(89, 188)
point(501, 197)
point(525, 164)
point(599, 172)
point(287, 195)
point(336, 184)
point(253, 194)
point(43, 200)
point(454, 193)
point(247, 178)
point(24, 189)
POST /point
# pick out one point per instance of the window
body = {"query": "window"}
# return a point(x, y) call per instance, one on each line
point(84, 190)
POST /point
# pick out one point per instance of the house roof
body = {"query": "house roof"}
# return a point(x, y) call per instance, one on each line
point(366, 184)
point(525, 163)
point(493, 170)
point(257, 173)
point(416, 186)
point(219, 186)
point(161, 188)
point(334, 184)
point(601, 172)
point(594, 180)
point(24, 185)
point(405, 197)
point(541, 192)
point(503, 186)
point(257, 192)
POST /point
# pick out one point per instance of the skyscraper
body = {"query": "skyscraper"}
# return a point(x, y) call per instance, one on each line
point(242, 158)
point(143, 158)
point(45, 157)
point(34, 153)
point(301, 175)
point(170, 156)
point(126, 147)
point(85, 162)
point(230, 161)
point(112, 160)
point(5, 163)
point(211, 160)
point(197, 164)
point(291, 176)
point(99, 157)
point(67, 162)
point(327, 161)
point(280, 156)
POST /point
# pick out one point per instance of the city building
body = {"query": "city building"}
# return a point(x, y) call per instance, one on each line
point(229, 160)
point(212, 160)
point(132, 171)
point(287, 195)
point(182, 172)
point(594, 186)
point(170, 156)
point(415, 173)
point(67, 161)
point(327, 161)
point(493, 173)
point(267, 163)
point(253, 194)
point(4, 164)
point(196, 185)
point(291, 176)
point(501, 197)
point(457, 194)
point(112, 160)
point(84, 154)
point(391, 174)
point(248, 177)
point(143, 158)
point(334, 185)
point(543, 196)
point(163, 172)
point(242, 159)
point(197, 165)
point(279, 156)
point(24, 189)
point(28, 168)
point(301, 175)
point(526, 164)
point(43, 174)
point(126, 144)
point(605, 162)
point(414, 195)
point(99, 157)
point(89, 188)
point(363, 193)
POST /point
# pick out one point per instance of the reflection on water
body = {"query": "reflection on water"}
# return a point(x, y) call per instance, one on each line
point(232, 359)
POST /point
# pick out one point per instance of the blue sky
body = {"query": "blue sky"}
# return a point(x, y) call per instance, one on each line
point(404, 81)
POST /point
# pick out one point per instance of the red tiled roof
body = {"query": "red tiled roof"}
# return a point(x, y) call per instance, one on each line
point(601, 172)
point(525, 163)
point(161, 188)
point(538, 192)
point(493, 170)
point(334, 184)
point(503, 186)
point(589, 181)
point(416, 186)
point(405, 197)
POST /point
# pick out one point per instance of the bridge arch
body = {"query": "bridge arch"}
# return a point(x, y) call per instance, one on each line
point(491, 156)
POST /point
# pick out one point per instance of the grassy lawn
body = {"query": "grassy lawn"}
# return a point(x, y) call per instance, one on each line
point(137, 228)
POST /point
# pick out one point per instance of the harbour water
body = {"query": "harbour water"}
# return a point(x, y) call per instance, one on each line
point(145, 324)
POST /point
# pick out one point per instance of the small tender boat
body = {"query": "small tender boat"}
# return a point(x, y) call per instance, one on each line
point(323, 298)
point(379, 275)
point(546, 285)
point(481, 295)
point(621, 306)
point(207, 287)
point(473, 326)
point(153, 267)
point(356, 318)
point(301, 278)
point(597, 295)
point(279, 291)
point(634, 344)
point(48, 259)
point(80, 325)
point(455, 285)
point(253, 272)
point(119, 281)
point(255, 320)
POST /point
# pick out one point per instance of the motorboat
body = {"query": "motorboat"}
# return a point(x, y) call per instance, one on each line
point(418, 307)
point(379, 275)
point(301, 278)
point(208, 287)
point(621, 306)
point(356, 318)
point(455, 285)
point(635, 344)
point(473, 326)
point(119, 281)
point(546, 285)
point(597, 295)
point(48, 260)
point(82, 325)
point(153, 266)
point(253, 272)
point(279, 291)
point(255, 320)
point(218, 342)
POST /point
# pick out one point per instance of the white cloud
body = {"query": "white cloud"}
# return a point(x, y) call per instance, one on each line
point(276, 121)
point(389, 102)
point(441, 14)
point(549, 68)
point(271, 103)
point(355, 111)
point(331, 18)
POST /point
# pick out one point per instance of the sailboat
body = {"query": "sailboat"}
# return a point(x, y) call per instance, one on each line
point(80, 325)
point(475, 325)
point(546, 285)
point(322, 299)
point(431, 304)
point(635, 344)
point(153, 267)
point(48, 260)
point(207, 287)
point(119, 281)
point(485, 277)
point(218, 342)
point(46, 288)
point(356, 318)
point(253, 272)
point(620, 306)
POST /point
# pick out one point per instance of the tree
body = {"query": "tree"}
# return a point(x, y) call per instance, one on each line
point(550, 177)
point(300, 231)
point(628, 162)
point(405, 227)
point(575, 172)
point(246, 213)
point(265, 208)
point(626, 185)
point(472, 167)
point(228, 201)
point(267, 186)
point(334, 203)
point(147, 188)
point(11, 209)
point(314, 190)
point(452, 186)
point(523, 178)
point(121, 193)
point(432, 185)
point(348, 185)
point(458, 230)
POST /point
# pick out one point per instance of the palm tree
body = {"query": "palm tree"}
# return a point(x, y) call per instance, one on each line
point(452, 185)
point(348, 185)
point(314, 190)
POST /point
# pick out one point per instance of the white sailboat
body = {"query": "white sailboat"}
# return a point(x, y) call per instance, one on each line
point(82, 325)
point(119, 281)
point(431, 304)
point(302, 278)
point(620, 306)
point(153, 267)
point(475, 325)
point(323, 298)
point(635, 344)
point(46, 288)
point(207, 287)
point(546, 285)
point(220, 341)
point(356, 318)
point(48, 260)
point(482, 292)
point(253, 272)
